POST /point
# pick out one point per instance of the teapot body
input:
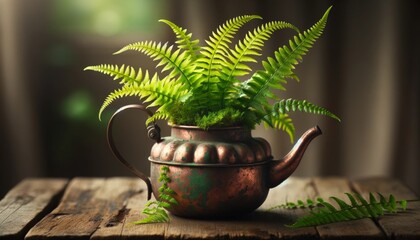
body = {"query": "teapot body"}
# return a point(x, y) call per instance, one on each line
point(214, 173)
point(213, 192)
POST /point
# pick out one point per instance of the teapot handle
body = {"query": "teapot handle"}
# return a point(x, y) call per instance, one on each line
point(153, 133)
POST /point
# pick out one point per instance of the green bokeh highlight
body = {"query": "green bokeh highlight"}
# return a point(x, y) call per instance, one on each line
point(106, 17)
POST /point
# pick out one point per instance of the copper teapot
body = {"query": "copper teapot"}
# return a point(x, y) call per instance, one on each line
point(219, 172)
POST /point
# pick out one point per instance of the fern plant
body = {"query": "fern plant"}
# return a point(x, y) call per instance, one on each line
point(155, 209)
point(200, 84)
point(323, 212)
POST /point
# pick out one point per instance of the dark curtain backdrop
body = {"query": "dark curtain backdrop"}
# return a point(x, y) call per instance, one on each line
point(365, 68)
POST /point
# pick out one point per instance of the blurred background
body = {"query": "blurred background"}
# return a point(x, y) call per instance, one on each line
point(365, 68)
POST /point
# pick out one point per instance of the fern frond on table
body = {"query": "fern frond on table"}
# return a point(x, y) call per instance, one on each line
point(323, 212)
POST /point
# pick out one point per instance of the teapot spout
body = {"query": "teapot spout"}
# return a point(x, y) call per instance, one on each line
point(280, 170)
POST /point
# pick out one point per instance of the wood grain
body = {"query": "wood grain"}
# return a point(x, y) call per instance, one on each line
point(405, 225)
point(26, 204)
point(85, 205)
point(124, 227)
point(359, 229)
point(99, 208)
point(291, 190)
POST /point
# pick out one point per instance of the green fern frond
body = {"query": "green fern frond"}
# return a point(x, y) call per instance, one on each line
point(155, 210)
point(282, 122)
point(127, 74)
point(323, 212)
point(158, 92)
point(244, 51)
point(214, 56)
point(163, 93)
point(161, 115)
point(177, 62)
point(157, 215)
point(116, 94)
point(255, 91)
point(276, 70)
point(288, 105)
point(252, 45)
point(184, 39)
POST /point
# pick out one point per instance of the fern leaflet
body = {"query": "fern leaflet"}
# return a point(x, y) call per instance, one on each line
point(161, 115)
point(184, 39)
point(287, 105)
point(282, 122)
point(127, 74)
point(217, 45)
point(177, 61)
point(163, 93)
point(251, 45)
point(155, 209)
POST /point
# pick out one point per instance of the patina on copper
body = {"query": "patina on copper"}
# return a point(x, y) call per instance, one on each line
point(231, 145)
point(217, 172)
point(214, 192)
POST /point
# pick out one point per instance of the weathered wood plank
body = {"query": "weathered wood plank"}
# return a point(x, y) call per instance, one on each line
point(121, 226)
point(258, 225)
point(291, 190)
point(26, 204)
point(405, 225)
point(107, 208)
point(84, 206)
point(147, 231)
point(261, 224)
point(360, 229)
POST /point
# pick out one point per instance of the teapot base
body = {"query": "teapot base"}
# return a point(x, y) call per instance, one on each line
point(205, 192)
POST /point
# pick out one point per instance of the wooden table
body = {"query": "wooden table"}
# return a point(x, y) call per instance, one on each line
point(104, 208)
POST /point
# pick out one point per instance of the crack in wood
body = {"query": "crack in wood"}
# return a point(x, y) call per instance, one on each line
point(58, 215)
point(118, 218)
